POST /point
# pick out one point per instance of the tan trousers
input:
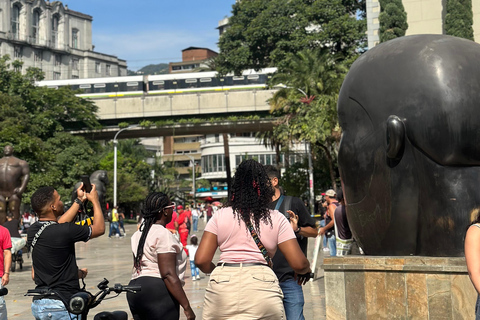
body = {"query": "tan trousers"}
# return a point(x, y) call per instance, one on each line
point(237, 293)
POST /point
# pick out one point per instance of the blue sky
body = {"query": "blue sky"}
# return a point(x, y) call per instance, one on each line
point(152, 31)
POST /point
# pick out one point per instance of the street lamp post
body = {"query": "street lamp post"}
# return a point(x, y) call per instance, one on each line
point(115, 142)
point(193, 180)
point(309, 154)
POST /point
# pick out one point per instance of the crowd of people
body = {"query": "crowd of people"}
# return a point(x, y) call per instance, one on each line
point(261, 233)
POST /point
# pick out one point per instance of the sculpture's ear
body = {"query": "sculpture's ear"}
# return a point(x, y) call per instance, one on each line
point(395, 140)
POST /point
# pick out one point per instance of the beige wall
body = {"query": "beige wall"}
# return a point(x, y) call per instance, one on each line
point(476, 20)
point(424, 16)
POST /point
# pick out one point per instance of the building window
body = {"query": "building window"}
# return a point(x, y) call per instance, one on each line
point(56, 75)
point(15, 21)
point(17, 52)
point(75, 77)
point(107, 69)
point(74, 64)
point(55, 30)
point(75, 38)
point(98, 68)
point(58, 60)
point(36, 26)
point(38, 56)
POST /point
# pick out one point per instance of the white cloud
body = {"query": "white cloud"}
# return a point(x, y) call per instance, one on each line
point(152, 47)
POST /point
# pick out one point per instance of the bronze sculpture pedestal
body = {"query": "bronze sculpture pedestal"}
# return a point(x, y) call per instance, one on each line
point(411, 287)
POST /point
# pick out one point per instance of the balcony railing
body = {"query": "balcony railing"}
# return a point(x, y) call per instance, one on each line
point(36, 41)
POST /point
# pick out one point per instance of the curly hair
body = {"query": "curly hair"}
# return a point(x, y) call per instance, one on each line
point(41, 198)
point(153, 206)
point(251, 193)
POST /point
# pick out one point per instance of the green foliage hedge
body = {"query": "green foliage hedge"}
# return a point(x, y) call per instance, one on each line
point(459, 19)
point(393, 20)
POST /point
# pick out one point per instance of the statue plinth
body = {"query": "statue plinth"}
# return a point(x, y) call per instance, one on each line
point(412, 287)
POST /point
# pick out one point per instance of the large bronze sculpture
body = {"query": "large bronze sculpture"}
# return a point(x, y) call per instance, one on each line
point(14, 175)
point(409, 156)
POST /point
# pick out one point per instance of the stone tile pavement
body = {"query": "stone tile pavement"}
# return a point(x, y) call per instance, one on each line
point(112, 259)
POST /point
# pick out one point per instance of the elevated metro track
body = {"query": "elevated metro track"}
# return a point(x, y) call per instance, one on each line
point(116, 109)
point(220, 127)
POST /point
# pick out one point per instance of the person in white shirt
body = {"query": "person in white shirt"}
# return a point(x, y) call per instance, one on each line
point(195, 215)
point(192, 249)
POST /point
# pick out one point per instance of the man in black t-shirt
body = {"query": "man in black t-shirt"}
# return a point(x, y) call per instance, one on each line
point(304, 226)
point(52, 240)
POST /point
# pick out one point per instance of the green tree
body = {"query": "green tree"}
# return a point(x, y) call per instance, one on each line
point(263, 32)
point(133, 172)
point(164, 177)
point(459, 19)
point(34, 120)
point(393, 20)
point(294, 180)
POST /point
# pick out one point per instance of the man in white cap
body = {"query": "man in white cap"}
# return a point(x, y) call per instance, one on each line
point(328, 230)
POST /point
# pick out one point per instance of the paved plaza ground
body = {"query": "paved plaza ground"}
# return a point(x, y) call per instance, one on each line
point(112, 259)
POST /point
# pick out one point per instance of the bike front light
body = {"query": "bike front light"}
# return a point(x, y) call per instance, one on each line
point(78, 302)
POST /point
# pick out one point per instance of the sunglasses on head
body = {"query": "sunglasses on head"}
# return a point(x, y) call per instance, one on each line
point(170, 206)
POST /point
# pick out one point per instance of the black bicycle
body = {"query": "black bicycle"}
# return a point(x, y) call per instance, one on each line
point(81, 302)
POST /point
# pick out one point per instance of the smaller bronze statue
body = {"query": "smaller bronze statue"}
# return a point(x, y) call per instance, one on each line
point(14, 176)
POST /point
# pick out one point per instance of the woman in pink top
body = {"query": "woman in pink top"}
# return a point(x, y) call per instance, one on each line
point(159, 265)
point(242, 285)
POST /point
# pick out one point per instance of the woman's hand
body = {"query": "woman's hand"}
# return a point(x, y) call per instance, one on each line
point(189, 313)
point(293, 219)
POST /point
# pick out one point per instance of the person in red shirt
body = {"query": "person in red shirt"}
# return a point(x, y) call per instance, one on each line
point(171, 225)
point(5, 264)
point(189, 221)
point(181, 226)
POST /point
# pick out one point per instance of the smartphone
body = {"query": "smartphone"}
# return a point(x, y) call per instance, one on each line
point(87, 186)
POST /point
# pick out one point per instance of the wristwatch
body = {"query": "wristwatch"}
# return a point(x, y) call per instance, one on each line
point(78, 201)
point(298, 229)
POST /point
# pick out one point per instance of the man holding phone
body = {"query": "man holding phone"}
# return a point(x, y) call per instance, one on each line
point(304, 226)
point(52, 240)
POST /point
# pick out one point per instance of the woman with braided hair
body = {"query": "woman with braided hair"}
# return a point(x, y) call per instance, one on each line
point(242, 285)
point(159, 265)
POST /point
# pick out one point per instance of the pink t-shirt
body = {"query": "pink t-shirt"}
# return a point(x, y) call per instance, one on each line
point(5, 243)
point(236, 242)
point(159, 240)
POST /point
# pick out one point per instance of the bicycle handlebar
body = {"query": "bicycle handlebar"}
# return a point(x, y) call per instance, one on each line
point(119, 288)
point(83, 301)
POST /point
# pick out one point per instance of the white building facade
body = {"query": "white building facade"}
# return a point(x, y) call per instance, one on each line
point(55, 39)
point(241, 147)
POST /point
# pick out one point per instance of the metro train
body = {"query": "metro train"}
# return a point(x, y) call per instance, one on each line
point(164, 84)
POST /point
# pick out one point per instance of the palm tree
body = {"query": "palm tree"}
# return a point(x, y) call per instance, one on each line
point(208, 65)
point(269, 140)
point(310, 73)
point(310, 82)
